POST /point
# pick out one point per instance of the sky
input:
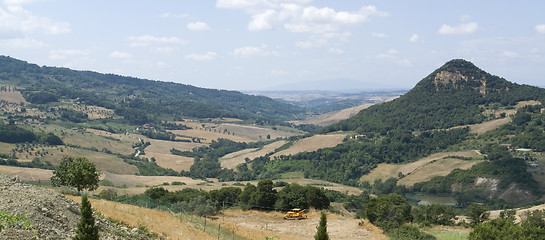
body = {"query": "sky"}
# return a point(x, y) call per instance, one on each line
point(249, 45)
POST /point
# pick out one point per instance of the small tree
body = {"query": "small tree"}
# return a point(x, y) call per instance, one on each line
point(321, 234)
point(477, 214)
point(86, 227)
point(79, 173)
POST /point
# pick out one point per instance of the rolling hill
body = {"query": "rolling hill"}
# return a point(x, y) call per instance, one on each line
point(458, 93)
point(139, 100)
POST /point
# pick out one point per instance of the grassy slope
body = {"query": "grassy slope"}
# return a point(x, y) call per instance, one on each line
point(438, 164)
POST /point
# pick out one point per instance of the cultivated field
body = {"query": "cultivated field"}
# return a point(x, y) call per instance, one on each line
point(313, 143)
point(12, 97)
point(233, 159)
point(439, 164)
point(209, 131)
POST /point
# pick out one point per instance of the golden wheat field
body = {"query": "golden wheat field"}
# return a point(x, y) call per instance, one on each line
point(233, 159)
point(438, 164)
point(313, 143)
point(249, 224)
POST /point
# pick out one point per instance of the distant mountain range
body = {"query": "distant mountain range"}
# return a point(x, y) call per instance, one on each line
point(344, 85)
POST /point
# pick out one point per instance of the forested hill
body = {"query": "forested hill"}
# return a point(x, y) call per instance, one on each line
point(456, 94)
point(131, 96)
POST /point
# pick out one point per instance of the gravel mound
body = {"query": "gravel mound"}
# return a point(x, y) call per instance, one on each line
point(51, 215)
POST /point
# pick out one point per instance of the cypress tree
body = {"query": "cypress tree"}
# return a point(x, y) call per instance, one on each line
point(321, 234)
point(86, 227)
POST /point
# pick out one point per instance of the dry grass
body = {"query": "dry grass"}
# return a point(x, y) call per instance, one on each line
point(257, 133)
point(26, 174)
point(258, 225)
point(207, 135)
point(233, 159)
point(94, 112)
point(96, 138)
point(312, 144)
point(441, 167)
point(248, 224)
point(12, 97)
point(160, 223)
point(103, 161)
point(160, 150)
point(488, 126)
point(423, 169)
point(521, 212)
point(225, 128)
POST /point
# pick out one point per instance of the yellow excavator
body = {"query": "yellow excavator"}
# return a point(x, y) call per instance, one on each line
point(295, 214)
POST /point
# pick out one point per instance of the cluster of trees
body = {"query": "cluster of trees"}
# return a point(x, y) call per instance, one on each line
point(501, 165)
point(347, 162)
point(15, 134)
point(290, 196)
point(40, 97)
point(391, 213)
point(158, 134)
point(263, 196)
point(527, 127)
point(532, 226)
point(72, 115)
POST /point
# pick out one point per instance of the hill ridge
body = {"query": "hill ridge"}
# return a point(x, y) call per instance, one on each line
point(156, 98)
point(455, 94)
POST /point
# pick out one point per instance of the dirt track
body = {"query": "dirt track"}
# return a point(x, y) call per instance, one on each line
point(257, 225)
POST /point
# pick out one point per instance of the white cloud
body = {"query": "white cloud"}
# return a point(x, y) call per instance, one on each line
point(198, 26)
point(336, 50)
point(16, 18)
point(250, 6)
point(298, 15)
point(262, 21)
point(207, 57)
point(147, 40)
point(540, 28)
point(250, 51)
point(380, 35)
point(464, 28)
point(320, 20)
point(122, 55)
point(414, 38)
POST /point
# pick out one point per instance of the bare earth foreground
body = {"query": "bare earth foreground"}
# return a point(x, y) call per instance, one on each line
point(51, 215)
point(243, 224)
